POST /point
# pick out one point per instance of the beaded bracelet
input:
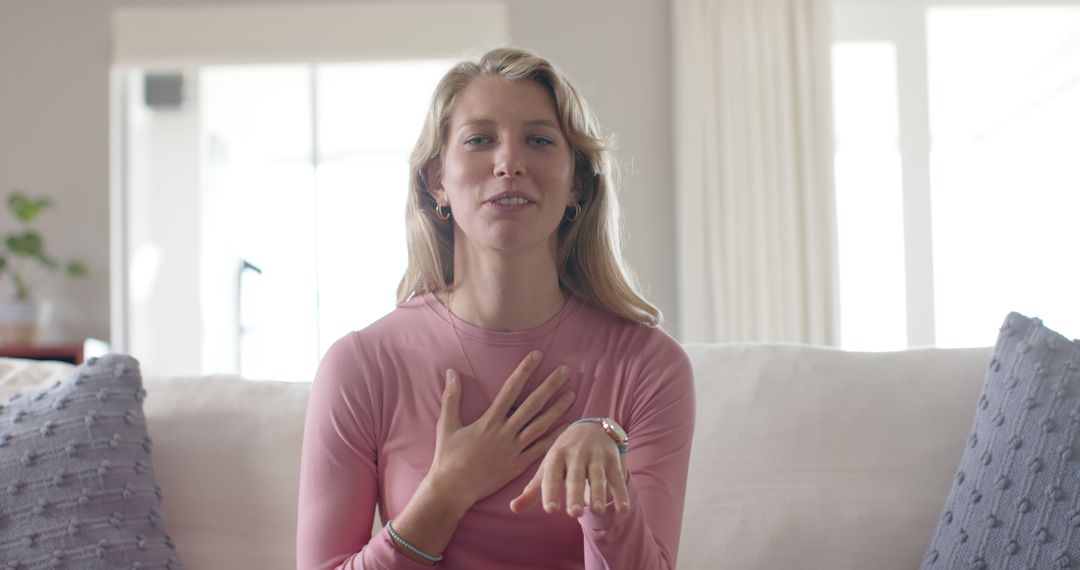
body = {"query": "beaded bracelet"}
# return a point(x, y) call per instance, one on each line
point(405, 544)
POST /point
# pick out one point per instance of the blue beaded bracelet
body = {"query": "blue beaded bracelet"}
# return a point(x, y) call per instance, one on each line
point(405, 544)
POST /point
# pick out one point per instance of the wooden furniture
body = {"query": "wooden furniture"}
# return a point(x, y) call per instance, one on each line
point(72, 353)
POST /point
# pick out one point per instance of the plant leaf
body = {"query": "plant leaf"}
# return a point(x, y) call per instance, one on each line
point(76, 269)
point(29, 244)
point(16, 202)
point(14, 245)
point(26, 209)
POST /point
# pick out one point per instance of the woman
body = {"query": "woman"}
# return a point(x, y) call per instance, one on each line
point(483, 415)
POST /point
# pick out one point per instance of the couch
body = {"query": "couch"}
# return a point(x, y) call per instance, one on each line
point(803, 457)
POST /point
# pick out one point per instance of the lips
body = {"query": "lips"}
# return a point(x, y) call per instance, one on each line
point(506, 195)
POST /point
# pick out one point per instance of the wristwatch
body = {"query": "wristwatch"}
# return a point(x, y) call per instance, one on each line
point(613, 429)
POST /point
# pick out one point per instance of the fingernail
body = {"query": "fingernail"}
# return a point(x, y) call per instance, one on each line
point(564, 371)
point(598, 505)
point(535, 355)
point(571, 395)
point(551, 506)
point(575, 510)
point(449, 376)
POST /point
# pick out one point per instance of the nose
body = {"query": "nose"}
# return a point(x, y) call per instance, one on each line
point(509, 161)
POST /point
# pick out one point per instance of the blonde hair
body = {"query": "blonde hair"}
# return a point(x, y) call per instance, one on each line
point(590, 264)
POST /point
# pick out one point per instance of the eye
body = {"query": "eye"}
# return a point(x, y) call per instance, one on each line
point(541, 141)
point(477, 140)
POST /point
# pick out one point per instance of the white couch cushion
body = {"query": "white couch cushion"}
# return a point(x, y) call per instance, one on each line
point(227, 454)
point(822, 459)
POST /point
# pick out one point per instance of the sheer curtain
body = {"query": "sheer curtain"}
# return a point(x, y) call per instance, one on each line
point(753, 144)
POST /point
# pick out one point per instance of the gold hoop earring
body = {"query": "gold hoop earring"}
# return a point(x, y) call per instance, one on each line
point(573, 213)
point(442, 211)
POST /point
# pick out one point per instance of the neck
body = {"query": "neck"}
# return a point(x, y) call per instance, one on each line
point(505, 292)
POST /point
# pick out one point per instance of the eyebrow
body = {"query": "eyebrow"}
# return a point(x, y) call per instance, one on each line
point(529, 123)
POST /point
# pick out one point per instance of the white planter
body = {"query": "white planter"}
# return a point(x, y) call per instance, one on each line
point(21, 321)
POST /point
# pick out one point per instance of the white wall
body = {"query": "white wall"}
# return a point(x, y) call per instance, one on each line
point(54, 124)
point(619, 52)
point(54, 62)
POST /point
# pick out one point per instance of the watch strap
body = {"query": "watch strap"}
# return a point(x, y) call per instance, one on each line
point(623, 443)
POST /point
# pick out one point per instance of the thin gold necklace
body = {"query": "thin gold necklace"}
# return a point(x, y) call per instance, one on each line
point(457, 335)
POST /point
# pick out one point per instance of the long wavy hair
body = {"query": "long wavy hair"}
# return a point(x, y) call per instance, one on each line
point(590, 263)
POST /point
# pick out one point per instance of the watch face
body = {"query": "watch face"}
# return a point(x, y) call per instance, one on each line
point(615, 429)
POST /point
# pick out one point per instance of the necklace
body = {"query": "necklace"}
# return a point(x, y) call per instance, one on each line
point(457, 335)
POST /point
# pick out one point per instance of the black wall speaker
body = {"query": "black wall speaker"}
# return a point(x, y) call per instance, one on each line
point(164, 90)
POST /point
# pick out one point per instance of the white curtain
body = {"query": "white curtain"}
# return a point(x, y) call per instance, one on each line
point(753, 147)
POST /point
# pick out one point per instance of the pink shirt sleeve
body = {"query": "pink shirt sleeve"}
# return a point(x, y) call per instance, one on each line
point(660, 428)
point(338, 474)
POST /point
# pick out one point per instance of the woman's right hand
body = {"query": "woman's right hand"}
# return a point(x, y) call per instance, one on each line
point(476, 460)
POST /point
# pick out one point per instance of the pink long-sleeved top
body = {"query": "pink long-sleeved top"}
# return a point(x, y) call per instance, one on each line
point(369, 439)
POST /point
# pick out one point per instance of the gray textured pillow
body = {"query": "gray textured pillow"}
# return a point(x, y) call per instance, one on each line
point(77, 487)
point(1015, 501)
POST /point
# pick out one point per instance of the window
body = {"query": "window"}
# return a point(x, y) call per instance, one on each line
point(1005, 190)
point(265, 213)
point(870, 223)
point(961, 124)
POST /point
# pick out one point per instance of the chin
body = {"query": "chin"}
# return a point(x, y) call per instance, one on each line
point(514, 241)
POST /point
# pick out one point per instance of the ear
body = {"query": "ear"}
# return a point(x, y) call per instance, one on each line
point(581, 187)
point(575, 193)
point(433, 180)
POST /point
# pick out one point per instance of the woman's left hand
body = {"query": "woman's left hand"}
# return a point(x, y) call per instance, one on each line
point(583, 452)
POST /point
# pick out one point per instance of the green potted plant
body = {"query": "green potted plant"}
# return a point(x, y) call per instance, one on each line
point(22, 252)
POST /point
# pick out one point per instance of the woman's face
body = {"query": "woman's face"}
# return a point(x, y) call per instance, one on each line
point(506, 169)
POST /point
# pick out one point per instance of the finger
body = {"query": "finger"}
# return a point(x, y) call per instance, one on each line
point(597, 487)
point(539, 449)
point(529, 495)
point(617, 483)
point(575, 488)
point(544, 421)
point(538, 399)
point(552, 483)
point(450, 414)
point(511, 389)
